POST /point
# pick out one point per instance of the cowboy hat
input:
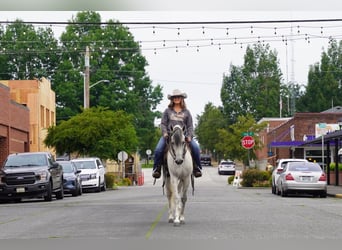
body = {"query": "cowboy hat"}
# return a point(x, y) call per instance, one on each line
point(177, 92)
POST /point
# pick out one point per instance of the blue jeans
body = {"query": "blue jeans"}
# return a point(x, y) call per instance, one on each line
point(159, 152)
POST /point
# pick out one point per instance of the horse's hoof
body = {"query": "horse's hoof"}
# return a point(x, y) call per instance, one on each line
point(182, 222)
point(170, 220)
point(176, 224)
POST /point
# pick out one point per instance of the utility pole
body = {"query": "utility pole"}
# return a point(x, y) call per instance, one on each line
point(86, 79)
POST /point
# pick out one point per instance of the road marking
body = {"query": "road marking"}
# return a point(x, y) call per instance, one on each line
point(155, 222)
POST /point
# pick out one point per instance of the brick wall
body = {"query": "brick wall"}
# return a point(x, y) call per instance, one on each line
point(14, 125)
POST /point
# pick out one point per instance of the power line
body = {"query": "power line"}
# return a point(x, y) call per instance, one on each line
point(178, 22)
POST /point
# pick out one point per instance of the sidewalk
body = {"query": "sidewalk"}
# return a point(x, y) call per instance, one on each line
point(334, 191)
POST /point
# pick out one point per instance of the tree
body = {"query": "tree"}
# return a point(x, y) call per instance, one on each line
point(96, 131)
point(27, 53)
point(114, 56)
point(253, 88)
point(229, 145)
point(208, 123)
point(324, 87)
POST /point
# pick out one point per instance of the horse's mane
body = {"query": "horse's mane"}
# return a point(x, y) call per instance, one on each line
point(177, 132)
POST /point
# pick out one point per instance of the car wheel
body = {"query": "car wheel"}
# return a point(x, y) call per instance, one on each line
point(76, 191)
point(283, 192)
point(48, 196)
point(273, 188)
point(80, 190)
point(60, 193)
point(104, 188)
point(98, 188)
point(323, 194)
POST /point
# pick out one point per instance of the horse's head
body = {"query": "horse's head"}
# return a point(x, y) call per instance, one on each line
point(178, 144)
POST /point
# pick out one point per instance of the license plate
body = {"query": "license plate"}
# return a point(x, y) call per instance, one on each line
point(306, 178)
point(21, 190)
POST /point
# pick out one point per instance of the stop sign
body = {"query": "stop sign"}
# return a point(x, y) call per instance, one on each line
point(247, 142)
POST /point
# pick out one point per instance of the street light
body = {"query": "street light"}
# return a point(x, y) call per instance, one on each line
point(86, 91)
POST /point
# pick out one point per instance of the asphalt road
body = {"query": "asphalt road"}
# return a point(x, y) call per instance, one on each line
point(215, 211)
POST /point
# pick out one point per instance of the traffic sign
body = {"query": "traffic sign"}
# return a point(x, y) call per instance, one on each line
point(247, 142)
point(247, 133)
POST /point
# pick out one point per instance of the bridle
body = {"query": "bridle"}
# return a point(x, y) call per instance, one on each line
point(177, 129)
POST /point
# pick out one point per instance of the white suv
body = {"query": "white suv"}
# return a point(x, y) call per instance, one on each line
point(92, 173)
point(276, 172)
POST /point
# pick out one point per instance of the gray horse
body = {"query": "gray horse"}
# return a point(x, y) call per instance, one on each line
point(177, 181)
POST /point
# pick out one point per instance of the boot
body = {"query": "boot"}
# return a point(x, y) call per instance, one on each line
point(156, 172)
point(197, 172)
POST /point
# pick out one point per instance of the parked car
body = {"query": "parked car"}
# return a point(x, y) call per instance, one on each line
point(31, 175)
point(72, 183)
point(302, 177)
point(226, 167)
point(92, 173)
point(205, 160)
point(278, 169)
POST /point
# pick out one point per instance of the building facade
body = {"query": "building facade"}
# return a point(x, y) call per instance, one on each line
point(14, 125)
point(40, 99)
point(288, 138)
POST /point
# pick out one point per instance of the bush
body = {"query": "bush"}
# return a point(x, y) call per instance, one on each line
point(110, 180)
point(333, 165)
point(231, 179)
point(255, 178)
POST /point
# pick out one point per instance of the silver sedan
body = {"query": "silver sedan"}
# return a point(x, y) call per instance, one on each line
point(302, 177)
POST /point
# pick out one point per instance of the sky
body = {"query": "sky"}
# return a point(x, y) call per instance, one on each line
point(194, 58)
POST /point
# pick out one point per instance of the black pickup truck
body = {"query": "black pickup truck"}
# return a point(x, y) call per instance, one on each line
point(31, 175)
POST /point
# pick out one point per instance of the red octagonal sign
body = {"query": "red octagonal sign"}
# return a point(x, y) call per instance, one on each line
point(247, 142)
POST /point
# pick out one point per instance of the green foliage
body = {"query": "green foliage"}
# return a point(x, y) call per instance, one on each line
point(324, 81)
point(229, 144)
point(332, 166)
point(110, 180)
point(96, 131)
point(206, 130)
point(113, 56)
point(230, 179)
point(18, 40)
point(253, 88)
point(255, 178)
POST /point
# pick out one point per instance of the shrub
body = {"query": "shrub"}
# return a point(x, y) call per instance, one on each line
point(255, 178)
point(231, 179)
point(110, 180)
point(333, 165)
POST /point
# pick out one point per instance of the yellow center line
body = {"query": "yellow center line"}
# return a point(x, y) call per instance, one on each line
point(155, 222)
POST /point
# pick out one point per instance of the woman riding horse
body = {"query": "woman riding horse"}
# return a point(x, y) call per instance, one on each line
point(176, 113)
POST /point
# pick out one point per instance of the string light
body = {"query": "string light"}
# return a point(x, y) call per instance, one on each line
point(259, 30)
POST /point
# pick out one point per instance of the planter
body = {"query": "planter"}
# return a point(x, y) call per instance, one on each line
point(332, 178)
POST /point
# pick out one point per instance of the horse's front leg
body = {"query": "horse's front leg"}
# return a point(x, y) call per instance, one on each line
point(183, 190)
point(169, 199)
point(176, 202)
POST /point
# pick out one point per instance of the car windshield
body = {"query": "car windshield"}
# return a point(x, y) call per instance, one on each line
point(304, 167)
point(26, 160)
point(67, 167)
point(85, 164)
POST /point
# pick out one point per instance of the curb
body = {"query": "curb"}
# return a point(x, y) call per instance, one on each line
point(335, 195)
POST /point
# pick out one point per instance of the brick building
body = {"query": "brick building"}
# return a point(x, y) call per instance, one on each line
point(287, 138)
point(14, 125)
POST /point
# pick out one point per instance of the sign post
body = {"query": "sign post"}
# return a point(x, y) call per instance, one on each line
point(122, 156)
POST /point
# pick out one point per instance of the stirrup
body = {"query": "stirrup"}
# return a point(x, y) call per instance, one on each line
point(197, 172)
